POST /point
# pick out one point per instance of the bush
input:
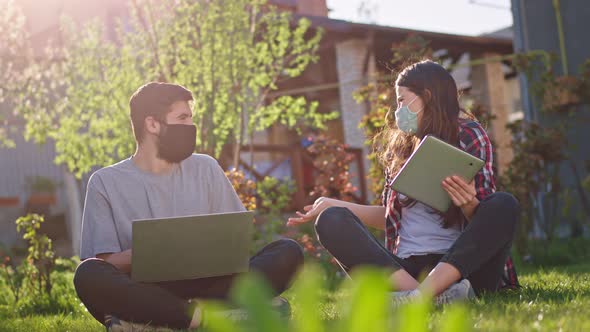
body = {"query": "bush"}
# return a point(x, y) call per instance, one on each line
point(244, 187)
point(538, 154)
point(62, 300)
point(331, 162)
point(41, 258)
point(274, 195)
point(558, 252)
point(28, 301)
point(13, 279)
point(40, 283)
point(32, 277)
point(273, 198)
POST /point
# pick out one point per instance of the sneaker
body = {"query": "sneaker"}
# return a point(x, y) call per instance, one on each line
point(235, 315)
point(282, 306)
point(461, 291)
point(114, 324)
point(403, 297)
point(279, 304)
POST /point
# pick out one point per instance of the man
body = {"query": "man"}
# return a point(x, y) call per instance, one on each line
point(162, 179)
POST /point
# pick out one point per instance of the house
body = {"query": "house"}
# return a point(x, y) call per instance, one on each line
point(536, 28)
point(350, 55)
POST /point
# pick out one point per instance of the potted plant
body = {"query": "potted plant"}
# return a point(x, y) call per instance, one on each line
point(9, 201)
point(42, 191)
point(556, 93)
point(561, 93)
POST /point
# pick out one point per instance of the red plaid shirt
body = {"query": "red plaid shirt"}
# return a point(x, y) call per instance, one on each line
point(473, 140)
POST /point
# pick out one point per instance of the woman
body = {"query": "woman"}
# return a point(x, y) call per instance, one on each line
point(467, 245)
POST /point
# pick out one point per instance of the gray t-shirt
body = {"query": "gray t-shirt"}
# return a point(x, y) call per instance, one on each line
point(119, 194)
point(421, 232)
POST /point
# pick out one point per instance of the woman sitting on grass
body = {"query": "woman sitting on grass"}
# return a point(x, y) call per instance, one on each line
point(467, 245)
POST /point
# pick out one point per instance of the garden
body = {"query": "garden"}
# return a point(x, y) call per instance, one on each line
point(75, 94)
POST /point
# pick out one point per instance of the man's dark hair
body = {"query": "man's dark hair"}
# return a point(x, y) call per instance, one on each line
point(154, 99)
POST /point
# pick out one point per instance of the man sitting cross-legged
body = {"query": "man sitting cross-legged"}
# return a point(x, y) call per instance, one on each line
point(162, 179)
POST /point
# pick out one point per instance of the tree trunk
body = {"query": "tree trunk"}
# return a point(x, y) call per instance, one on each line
point(577, 230)
point(240, 138)
point(581, 191)
point(252, 150)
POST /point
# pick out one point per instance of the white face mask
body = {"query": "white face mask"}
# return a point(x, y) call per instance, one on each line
point(407, 121)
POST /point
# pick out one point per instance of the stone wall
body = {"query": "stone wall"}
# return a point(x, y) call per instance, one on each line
point(350, 60)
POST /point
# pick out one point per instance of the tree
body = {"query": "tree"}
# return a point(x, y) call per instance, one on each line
point(14, 56)
point(231, 53)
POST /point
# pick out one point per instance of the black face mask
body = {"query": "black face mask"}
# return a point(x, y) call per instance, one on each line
point(177, 142)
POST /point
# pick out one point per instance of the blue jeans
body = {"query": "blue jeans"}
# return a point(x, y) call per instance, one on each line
point(479, 253)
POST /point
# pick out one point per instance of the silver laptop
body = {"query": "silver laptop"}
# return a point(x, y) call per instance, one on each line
point(191, 247)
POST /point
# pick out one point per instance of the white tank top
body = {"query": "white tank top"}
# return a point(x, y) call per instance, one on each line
point(422, 232)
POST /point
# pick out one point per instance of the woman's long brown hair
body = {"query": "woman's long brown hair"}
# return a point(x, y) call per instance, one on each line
point(437, 89)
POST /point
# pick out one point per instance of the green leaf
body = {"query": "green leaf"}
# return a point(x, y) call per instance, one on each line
point(367, 308)
point(252, 293)
point(455, 319)
point(415, 315)
point(307, 290)
point(216, 322)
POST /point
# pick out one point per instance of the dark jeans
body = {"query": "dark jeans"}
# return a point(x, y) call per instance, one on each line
point(479, 253)
point(107, 291)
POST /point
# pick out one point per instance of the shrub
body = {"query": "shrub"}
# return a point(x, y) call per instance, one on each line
point(41, 184)
point(19, 295)
point(40, 283)
point(244, 187)
point(41, 257)
point(273, 197)
point(558, 252)
point(13, 277)
point(534, 169)
point(331, 162)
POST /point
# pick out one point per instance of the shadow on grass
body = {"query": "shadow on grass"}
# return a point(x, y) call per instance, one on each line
point(569, 269)
point(556, 284)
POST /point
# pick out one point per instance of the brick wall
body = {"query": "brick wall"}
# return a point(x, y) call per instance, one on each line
point(312, 7)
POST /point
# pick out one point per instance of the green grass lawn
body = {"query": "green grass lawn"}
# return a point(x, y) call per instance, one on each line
point(553, 299)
